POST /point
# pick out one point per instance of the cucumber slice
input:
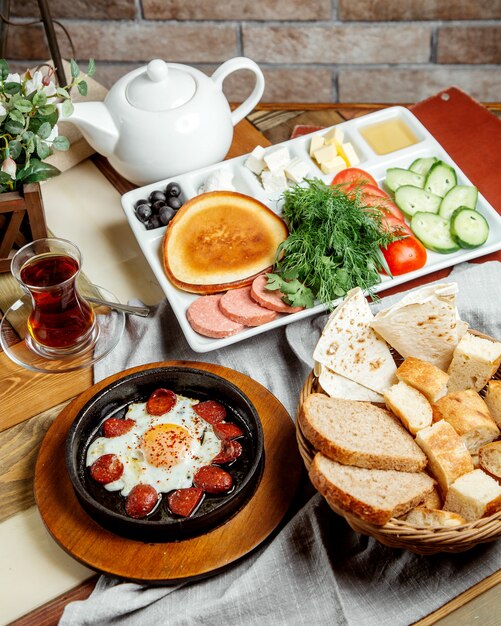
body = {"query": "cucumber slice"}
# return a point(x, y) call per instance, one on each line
point(460, 195)
point(469, 228)
point(413, 199)
point(397, 176)
point(440, 179)
point(423, 165)
point(434, 232)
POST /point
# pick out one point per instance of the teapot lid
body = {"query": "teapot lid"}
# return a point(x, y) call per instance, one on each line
point(160, 87)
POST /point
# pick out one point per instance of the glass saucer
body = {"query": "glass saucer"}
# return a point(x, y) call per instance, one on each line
point(110, 325)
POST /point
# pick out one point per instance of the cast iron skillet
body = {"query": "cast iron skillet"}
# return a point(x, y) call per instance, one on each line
point(107, 508)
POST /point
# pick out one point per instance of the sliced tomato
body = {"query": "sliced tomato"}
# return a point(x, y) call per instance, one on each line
point(374, 190)
point(385, 204)
point(352, 176)
point(405, 255)
point(398, 226)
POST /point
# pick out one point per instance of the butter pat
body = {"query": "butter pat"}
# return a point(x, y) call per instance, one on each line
point(317, 141)
point(277, 159)
point(333, 166)
point(347, 151)
point(296, 170)
point(335, 135)
point(325, 154)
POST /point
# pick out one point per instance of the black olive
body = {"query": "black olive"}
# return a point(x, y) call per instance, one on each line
point(157, 195)
point(143, 212)
point(159, 204)
point(174, 203)
point(140, 202)
point(166, 214)
point(173, 189)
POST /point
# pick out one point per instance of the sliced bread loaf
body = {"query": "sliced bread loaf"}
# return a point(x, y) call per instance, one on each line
point(425, 377)
point(474, 495)
point(493, 400)
point(373, 495)
point(410, 405)
point(489, 459)
point(474, 362)
point(359, 433)
point(433, 518)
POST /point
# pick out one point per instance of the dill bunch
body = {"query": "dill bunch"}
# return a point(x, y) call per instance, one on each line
point(333, 245)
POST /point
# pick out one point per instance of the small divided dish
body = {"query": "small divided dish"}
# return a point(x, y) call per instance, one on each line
point(248, 183)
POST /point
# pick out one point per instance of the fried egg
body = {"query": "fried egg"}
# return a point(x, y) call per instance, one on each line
point(164, 451)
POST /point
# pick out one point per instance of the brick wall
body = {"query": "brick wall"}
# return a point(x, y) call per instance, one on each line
point(309, 50)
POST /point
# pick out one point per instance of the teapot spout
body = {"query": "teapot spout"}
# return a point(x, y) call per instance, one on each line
point(96, 125)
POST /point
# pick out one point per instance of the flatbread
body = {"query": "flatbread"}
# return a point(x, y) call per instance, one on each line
point(350, 347)
point(338, 386)
point(425, 324)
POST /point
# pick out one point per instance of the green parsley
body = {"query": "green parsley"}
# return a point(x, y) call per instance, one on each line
point(333, 245)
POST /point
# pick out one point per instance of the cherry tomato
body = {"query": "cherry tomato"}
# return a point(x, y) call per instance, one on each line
point(405, 255)
point(352, 176)
point(385, 204)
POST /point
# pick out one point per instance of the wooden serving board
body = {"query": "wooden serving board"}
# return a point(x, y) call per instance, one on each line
point(190, 559)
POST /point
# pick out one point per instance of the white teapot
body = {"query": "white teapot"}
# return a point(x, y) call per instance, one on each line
point(164, 119)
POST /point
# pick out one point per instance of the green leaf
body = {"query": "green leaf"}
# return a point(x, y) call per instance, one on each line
point(15, 148)
point(4, 69)
point(45, 130)
point(274, 282)
point(39, 99)
point(67, 108)
point(75, 70)
point(37, 171)
point(61, 143)
point(61, 91)
point(12, 88)
point(47, 110)
point(13, 127)
point(91, 67)
point(82, 88)
point(17, 116)
point(42, 148)
point(5, 178)
point(23, 105)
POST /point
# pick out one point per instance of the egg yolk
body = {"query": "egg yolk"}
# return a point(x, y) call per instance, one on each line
point(165, 445)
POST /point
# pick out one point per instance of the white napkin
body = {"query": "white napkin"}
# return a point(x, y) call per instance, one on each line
point(316, 570)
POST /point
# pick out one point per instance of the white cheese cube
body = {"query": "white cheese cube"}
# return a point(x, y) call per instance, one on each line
point(347, 151)
point(297, 170)
point(334, 135)
point(274, 182)
point(254, 164)
point(258, 152)
point(277, 159)
point(334, 166)
point(317, 141)
point(325, 154)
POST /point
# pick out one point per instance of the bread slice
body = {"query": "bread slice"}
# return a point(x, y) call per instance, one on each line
point(359, 433)
point(425, 377)
point(474, 362)
point(220, 240)
point(373, 495)
point(474, 495)
point(410, 405)
point(433, 518)
point(493, 400)
point(447, 455)
point(433, 500)
point(489, 459)
point(469, 415)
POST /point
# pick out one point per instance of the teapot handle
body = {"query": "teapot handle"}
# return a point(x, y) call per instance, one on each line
point(241, 63)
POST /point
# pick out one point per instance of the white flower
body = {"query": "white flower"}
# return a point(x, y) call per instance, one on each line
point(54, 133)
point(3, 110)
point(9, 167)
point(13, 78)
point(34, 83)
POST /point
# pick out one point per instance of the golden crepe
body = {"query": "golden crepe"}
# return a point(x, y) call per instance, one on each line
point(425, 324)
point(221, 240)
point(349, 346)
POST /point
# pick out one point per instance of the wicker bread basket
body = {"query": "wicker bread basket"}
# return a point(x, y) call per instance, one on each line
point(397, 533)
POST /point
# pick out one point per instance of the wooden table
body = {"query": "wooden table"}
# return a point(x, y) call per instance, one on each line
point(30, 402)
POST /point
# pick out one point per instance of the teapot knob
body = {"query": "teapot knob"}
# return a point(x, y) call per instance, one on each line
point(157, 70)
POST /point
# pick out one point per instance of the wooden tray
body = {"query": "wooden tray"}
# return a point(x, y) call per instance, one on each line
point(173, 562)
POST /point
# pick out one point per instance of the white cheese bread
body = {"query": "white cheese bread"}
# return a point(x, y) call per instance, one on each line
point(469, 415)
point(425, 377)
point(373, 495)
point(410, 405)
point(493, 400)
point(359, 433)
point(474, 495)
point(489, 459)
point(447, 455)
point(474, 362)
point(433, 518)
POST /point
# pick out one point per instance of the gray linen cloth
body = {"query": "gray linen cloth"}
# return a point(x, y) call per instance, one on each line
point(315, 570)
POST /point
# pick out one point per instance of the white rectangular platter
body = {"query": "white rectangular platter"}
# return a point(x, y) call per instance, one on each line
point(246, 182)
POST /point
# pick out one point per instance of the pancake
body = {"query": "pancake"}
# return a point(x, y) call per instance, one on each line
point(221, 240)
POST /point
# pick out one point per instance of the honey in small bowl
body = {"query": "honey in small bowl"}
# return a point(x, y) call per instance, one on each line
point(389, 136)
